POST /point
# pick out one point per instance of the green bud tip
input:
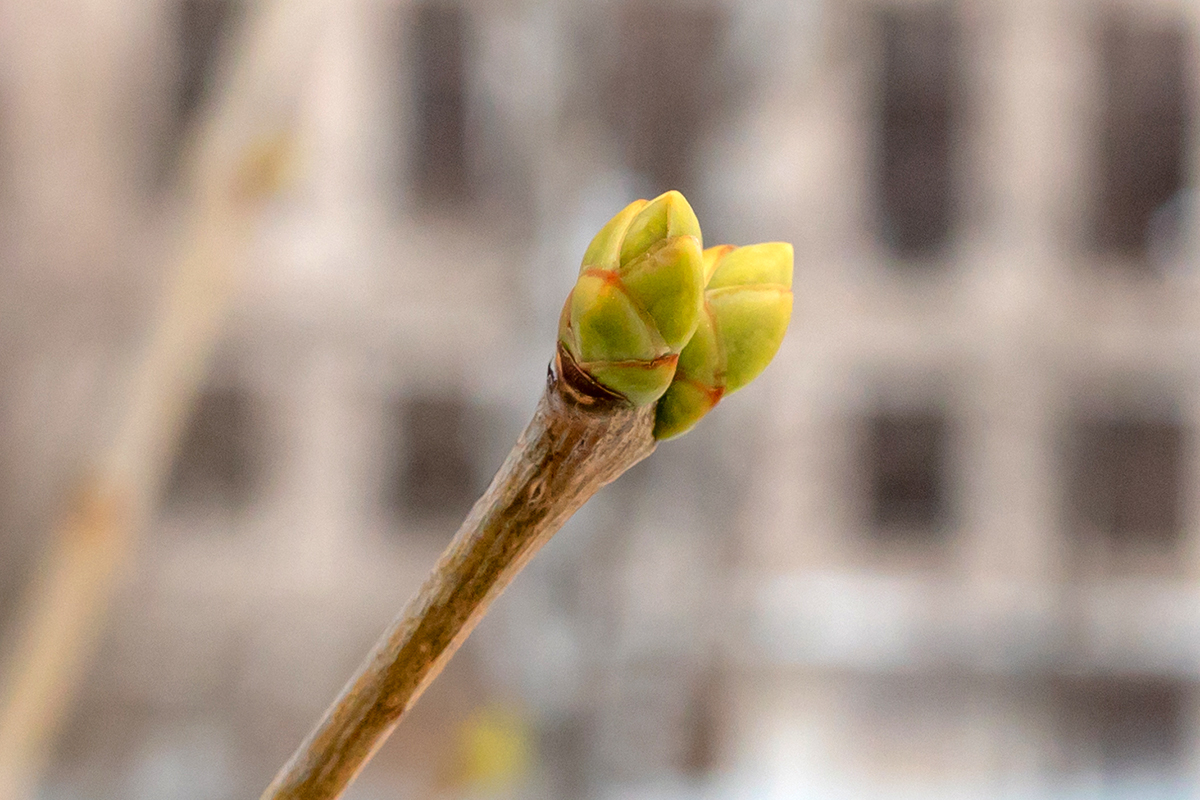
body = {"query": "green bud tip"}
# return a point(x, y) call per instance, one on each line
point(638, 298)
point(747, 307)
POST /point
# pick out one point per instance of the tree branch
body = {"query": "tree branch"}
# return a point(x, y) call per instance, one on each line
point(581, 437)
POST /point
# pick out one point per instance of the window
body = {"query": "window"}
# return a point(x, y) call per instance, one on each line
point(434, 475)
point(203, 24)
point(439, 42)
point(905, 460)
point(200, 28)
point(215, 465)
point(918, 105)
point(663, 95)
point(564, 746)
point(702, 726)
point(1144, 132)
point(1127, 480)
point(1122, 726)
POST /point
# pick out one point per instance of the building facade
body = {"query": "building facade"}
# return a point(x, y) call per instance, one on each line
point(946, 546)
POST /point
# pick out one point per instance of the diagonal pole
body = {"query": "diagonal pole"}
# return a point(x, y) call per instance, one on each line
point(233, 164)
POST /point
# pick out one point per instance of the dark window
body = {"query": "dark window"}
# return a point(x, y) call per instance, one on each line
point(665, 90)
point(565, 745)
point(440, 166)
point(918, 97)
point(201, 26)
point(215, 463)
point(1144, 131)
point(905, 463)
point(702, 726)
point(1122, 725)
point(1128, 480)
point(434, 475)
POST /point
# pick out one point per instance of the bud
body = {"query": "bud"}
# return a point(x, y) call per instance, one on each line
point(638, 298)
point(747, 306)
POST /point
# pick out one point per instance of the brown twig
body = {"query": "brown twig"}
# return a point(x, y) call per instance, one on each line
point(581, 437)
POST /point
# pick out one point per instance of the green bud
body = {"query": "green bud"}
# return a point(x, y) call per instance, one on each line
point(668, 282)
point(608, 324)
point(661, 220)
point(605, 249)
point(714, 256)
point(747, 307)
point(638, 298)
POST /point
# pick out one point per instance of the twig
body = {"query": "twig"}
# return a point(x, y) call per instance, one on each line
point(47, 658)
point(581, 437)
point(233, 166)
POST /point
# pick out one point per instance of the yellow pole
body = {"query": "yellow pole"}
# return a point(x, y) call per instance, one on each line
point(235, 163)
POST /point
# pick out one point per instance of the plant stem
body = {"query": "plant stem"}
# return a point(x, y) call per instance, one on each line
point(581, 437)
point(233, 164)
point(47, 656)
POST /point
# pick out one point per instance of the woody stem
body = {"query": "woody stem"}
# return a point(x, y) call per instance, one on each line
point(581, 437)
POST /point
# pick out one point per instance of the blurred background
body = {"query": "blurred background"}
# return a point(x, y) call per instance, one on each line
point(948, 546)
